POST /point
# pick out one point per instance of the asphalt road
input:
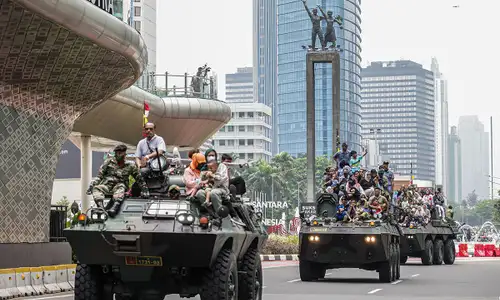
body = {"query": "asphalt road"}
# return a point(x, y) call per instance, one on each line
point(468, 279)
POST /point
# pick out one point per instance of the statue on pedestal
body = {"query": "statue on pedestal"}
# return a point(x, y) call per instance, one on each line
point(330, 36)
point(316, 26)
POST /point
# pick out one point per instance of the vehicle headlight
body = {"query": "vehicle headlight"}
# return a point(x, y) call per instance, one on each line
point(185, 218)
point(95, 216)
point(370, 239)
point(314, 238)
point(98, 216)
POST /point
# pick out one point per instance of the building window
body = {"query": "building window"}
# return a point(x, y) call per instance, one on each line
point(250, 128)
point(230, 143)
point(241, 128)
point(242, 156)
point(137, 25)
point(250, 114)
point(250, 142)
point(230, 128)
point(241, 142)
point(223, 129)
point(250, 155)
point(137, 11)
point(137, 0)
point(241, 115)
point(222, 142)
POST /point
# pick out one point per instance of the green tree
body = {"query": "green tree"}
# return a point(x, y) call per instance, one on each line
point(484, 209)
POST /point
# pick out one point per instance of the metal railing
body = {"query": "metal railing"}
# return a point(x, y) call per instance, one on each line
point(172, 85)
point(58, 218)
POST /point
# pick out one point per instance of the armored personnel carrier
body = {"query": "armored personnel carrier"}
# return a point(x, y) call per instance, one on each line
point(433, 243)
point(160, 246)
point(325, 244)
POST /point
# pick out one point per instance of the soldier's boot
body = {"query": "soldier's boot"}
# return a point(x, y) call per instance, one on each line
point(113, 211)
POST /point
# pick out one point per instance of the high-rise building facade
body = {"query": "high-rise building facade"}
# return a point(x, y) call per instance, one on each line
point(265, 58)
point(454, 167)
point(141, 14)
point(475, 156)
point(294, 31)
point(398, 112)
point(239, 86)
point(441, 126)
point(248, 134)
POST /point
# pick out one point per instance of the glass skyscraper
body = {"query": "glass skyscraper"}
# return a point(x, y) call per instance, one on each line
point(294, 31)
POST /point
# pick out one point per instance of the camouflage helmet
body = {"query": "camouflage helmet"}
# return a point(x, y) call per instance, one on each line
point(75, 208)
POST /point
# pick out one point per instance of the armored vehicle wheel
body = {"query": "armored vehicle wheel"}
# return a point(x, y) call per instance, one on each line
point(428, 253)
point(403, 259)
point(386, 270)
point(310, 271)
point(250, 276)
point(89, 284)
point(221, 281)
point(438, 252)
point(449, 252)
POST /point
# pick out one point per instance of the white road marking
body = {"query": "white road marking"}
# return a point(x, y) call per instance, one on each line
point(374, 291)
point(396, 282)
point(295, 280)
point(328, 274)
point(415, 275)
point(52, 297)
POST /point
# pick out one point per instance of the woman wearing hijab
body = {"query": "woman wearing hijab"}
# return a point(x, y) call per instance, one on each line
point(192, 173)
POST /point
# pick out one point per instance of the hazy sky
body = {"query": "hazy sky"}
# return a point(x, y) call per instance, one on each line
point(192, 32)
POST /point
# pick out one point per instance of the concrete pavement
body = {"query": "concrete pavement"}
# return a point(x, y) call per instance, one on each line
point(468, 279)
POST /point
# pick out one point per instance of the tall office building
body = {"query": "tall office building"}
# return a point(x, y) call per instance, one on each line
point(239, 86)
point(141, 14)
point(265, 58)
point(454, 167)
point(441, 125)
point(474, 142)
point(294, 31)
point(248, 133)
point(398, 112)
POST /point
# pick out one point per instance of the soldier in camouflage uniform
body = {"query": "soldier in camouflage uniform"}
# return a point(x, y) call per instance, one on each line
point(113, 178)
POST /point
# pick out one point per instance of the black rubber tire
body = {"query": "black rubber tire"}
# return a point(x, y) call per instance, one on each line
point(385, 269)
point(449, 252)
point(250, 276)
point(398, 261)
point(428, 253)
point(88, 283)
point(438, 255)
point(310, 271)
point(221, 281)
point(403, 259)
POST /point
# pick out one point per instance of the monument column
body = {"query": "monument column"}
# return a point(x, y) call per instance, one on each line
point(86, 170)
point(312, 58)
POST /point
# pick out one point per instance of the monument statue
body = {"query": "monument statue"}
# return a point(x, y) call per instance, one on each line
point(316, 26)
point(330, 36)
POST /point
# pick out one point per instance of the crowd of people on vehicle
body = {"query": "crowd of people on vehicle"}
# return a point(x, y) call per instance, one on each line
point(368, 194)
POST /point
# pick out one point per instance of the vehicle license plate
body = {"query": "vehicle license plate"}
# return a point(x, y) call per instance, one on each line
point(144, 261)
point(319, 229)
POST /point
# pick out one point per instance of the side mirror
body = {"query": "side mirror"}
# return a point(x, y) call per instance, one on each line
point(302, 215)
point(223, 212)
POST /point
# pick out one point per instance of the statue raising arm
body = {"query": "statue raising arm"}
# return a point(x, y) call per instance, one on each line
point(307, 9)
point(322, 11)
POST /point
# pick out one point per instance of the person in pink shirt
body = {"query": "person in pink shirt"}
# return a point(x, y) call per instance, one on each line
point(192, 174)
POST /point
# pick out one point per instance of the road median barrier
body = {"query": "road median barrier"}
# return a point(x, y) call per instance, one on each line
point(50, 279)
point(8, 287)
point(279, 257)
point(23, 282)
point(37, 280)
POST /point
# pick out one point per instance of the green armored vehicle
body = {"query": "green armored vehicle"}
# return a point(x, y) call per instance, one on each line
point(434, 243)
point(326, 244)
point(160, 246)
